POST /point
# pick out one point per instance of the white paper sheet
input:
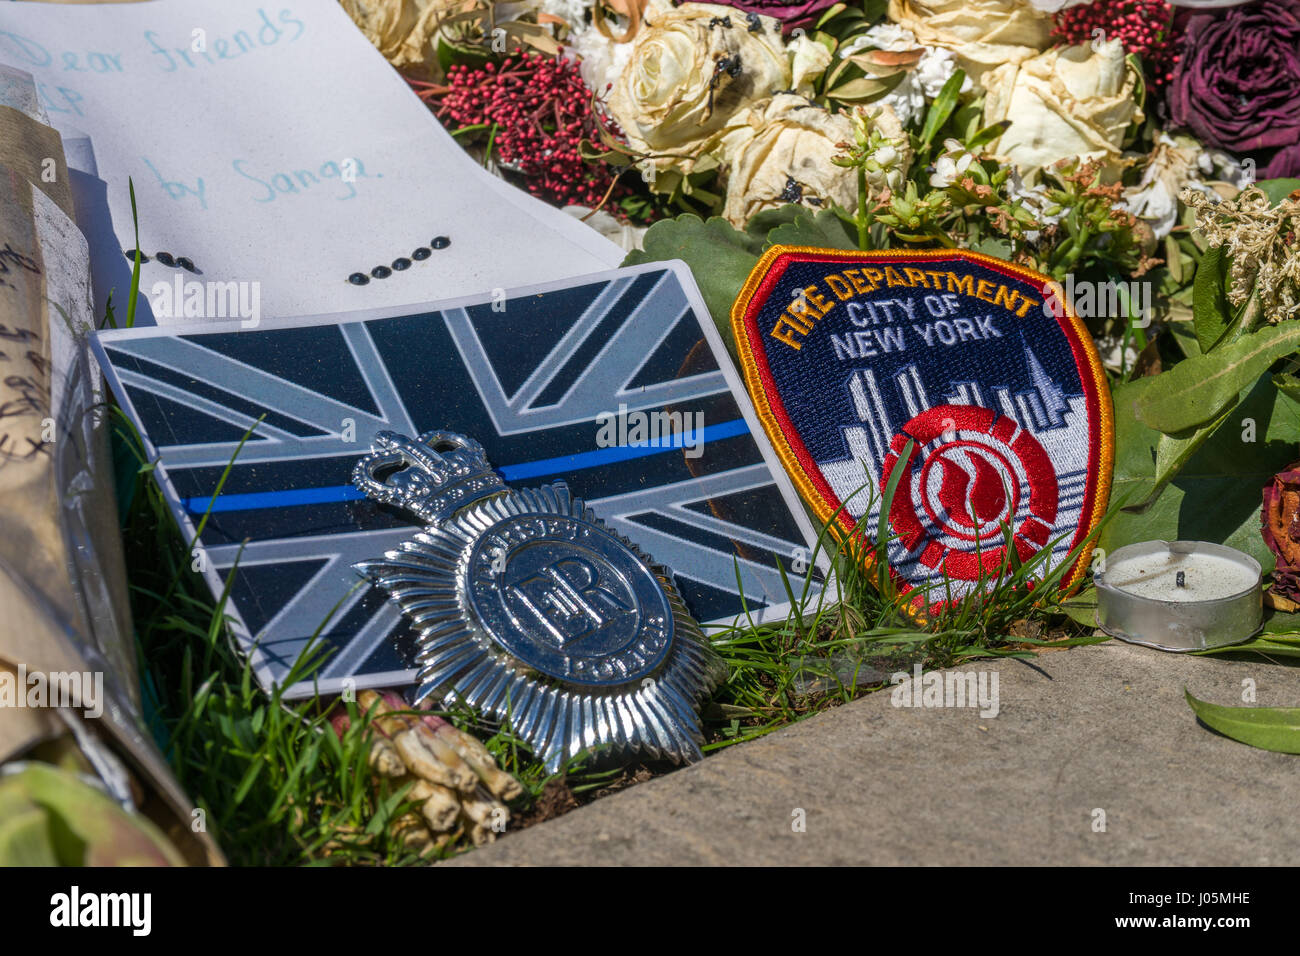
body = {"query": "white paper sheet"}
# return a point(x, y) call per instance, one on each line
point(240, 153)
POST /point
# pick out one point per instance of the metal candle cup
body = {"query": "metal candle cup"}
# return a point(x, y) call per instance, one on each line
point(1179, 595)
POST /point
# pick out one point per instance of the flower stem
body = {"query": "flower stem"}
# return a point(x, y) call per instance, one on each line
point(864, 216)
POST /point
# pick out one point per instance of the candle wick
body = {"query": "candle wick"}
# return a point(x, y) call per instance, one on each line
point(1180, 579)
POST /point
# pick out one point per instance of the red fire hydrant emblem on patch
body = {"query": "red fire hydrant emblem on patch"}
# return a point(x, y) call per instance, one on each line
point(971, 473)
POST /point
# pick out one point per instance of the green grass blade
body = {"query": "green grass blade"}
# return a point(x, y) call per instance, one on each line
point(135, 266)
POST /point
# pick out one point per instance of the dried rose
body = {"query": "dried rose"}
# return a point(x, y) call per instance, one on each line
point(784, 155)
point(1237, 83)
point(401, 30)
point(982, 33)
point(693, 69)
point(1280, 526)
point(1285, 163)
point(794, 13)
point(1067, 102)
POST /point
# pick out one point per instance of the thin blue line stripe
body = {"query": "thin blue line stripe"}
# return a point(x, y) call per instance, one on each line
point(563, 464)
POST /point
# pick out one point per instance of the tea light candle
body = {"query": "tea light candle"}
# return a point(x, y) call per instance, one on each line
point(1179, 595)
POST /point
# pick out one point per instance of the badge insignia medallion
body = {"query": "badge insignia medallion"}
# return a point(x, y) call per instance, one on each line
point(978, 363)
point(530, 609)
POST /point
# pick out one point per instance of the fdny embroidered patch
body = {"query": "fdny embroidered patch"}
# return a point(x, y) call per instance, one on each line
point(977, 363)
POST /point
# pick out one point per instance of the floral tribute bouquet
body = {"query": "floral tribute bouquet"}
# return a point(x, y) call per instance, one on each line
point(1134, 145)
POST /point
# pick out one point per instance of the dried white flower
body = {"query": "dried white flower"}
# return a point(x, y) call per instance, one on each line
point(1172, 166)
point(1263, 243)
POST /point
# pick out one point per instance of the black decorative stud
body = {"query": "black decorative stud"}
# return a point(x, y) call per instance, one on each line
point(166, 258)
point(400, 264)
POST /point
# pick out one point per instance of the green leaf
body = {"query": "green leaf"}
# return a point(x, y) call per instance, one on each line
point(942, 107)
point(25, 838)
point(821, 229)
point(83, 825)
point(1185, 338)
point(761, 223)
point(1173, 259)
point(719, 255)
point(1278, 189)
point(987, 135)
point(968, 119)
point(1268, 728)
point(993, 246)
point(873, 10)
point(1263, 646)
point(1288, 383)
point(1211, 313)
point(1197, 390)
point(1282, 625)
point(863, 89)
point(832, 13)
point(613, 157)
point(1082, 607)
point(1215, 493)
point(1172, 453)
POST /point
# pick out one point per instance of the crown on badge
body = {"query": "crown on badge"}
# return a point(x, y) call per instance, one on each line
point(432, 476)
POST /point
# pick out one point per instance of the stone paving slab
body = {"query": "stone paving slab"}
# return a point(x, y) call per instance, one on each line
point(1094, 728)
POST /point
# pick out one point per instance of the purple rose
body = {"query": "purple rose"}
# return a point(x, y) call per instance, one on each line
point(791, 14)
point(1237, 83)
point(1285, 163)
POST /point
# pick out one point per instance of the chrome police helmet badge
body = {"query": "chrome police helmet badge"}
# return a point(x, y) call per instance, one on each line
point(531, 610)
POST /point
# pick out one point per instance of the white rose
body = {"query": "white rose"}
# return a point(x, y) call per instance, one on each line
point(693, 69)
point(400, 29)
point(783, 153)
point(786, 157)
point(982, 33)
point(1064, 103)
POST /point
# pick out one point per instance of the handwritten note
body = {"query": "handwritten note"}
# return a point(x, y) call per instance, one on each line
point(24, 358)
point(273, 147)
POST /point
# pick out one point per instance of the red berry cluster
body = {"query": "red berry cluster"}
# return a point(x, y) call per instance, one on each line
point(541, 110)
point(1145, 27)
